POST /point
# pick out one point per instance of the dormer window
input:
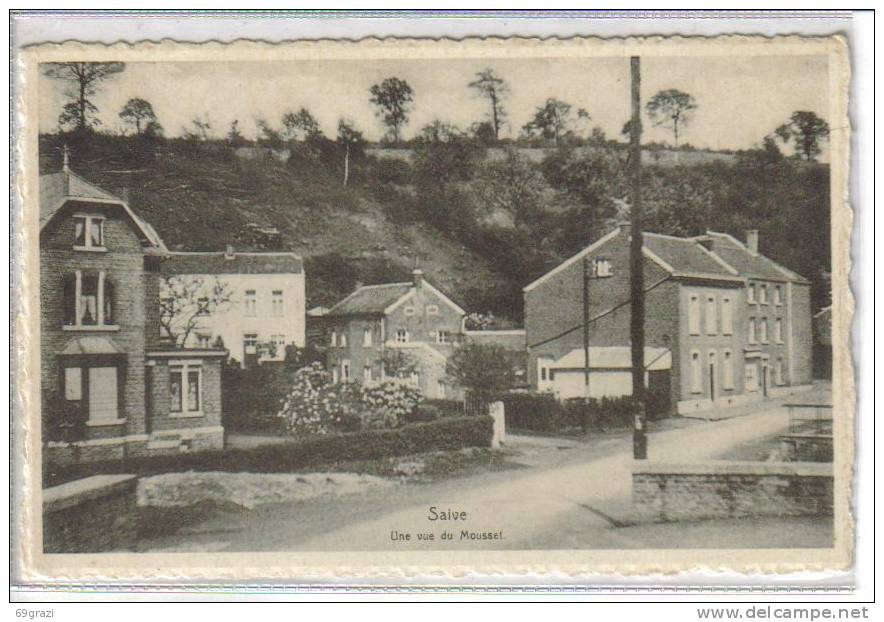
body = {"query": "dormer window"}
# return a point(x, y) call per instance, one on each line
point(89, 232)
point(601, 267)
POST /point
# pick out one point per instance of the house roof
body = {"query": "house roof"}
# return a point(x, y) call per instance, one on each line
point(686, 256)
point(749, 264)
point(57, 189)
point(371, 299)
point(614, 357)
point(221, 262)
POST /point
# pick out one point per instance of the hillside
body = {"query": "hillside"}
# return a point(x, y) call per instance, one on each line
point(206, 200)
point(481, 223)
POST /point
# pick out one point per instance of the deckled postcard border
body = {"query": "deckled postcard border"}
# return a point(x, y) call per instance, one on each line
point(310, 567)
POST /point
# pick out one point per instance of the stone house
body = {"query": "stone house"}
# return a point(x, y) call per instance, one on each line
point(110, 387)
point(723, 325)
point(266, 304)
point(369, 326)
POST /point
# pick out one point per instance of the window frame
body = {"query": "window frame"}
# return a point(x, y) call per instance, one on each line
point(763, 294)
point(88, 220)
point(245, 338)
point(432, 309)
point(727, 369)
point(345, 370)
point(184, 368)
point(696, 372)
point(711, 315)
point(443, 337)
point(727, 316)
point(408, 311)
point(764, 336)
point(778, 295)
point(752, 331)
point(367, 337)
point(602, 268)
point(104, 294)
point(750, 293)
point(277, 302)
point(778, 330)
point(695, 324)
point(402, 332)
point(250, 303)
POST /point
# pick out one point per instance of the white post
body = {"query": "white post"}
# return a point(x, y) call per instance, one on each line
point(496, 410)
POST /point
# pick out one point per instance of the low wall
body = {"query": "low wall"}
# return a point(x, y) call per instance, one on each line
point(90, 515)
point(720, 489)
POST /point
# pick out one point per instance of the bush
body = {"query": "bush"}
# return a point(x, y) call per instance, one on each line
point(541, 412)
point(315, 406)
point(396, 399)
point(392, 171)
point(443, 435)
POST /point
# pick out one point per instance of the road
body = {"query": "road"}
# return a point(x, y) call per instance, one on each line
point(581, 498)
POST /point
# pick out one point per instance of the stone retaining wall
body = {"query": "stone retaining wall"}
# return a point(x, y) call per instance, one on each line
point(90, 515)
point(703, 490)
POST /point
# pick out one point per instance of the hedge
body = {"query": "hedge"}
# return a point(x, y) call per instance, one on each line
point(450, 433)
point(540, 412)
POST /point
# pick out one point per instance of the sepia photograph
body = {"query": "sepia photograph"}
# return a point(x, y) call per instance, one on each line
point(583, 298)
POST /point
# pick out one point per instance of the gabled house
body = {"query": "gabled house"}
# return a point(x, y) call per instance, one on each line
point(110, 387)
point(409, 317)
point(265, 307)
point(708, 341)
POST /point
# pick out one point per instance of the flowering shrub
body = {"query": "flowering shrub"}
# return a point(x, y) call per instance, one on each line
point(314, 405)
point(396, 400)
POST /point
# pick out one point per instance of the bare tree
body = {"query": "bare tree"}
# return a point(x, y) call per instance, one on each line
point(671, 109)
point(352, 141)
point(185, 299)
point(82, 80)
point(490, 85)
point(394, 98)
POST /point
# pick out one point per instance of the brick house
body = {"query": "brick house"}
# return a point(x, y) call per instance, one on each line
point(411, 317)
point(709, 342)
point(266, 306)
point(109, 387)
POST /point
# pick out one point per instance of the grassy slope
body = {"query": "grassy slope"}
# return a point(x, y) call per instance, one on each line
point(203, 201)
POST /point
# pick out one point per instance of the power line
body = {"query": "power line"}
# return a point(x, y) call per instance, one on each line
point(598, 317)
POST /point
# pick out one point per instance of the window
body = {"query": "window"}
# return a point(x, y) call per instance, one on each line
point(104, 403)
point(345, 370)
point(711, 319)
point(727, 316)
point(409, 311)
point(778, 330)
point(763, 327)
point(543, 372)
point(727, 370)
point(202, 305)
point(251, 303)
point(279, 342)
point(752, 337)
point(335, 378)
point(185, 389)
point(601, 267)
point(334, 338)
point(401, 336)
point(250, 343)
point(343, 340)
point(763, 295)
point(778, 295)
point(89, 232)
point(751, 372)
point(203, 341)
point(73, 384)
point(778, 371)
point(696, 373)
point(366, 374)
point(88, 300)
point(366, 336)
point(694, 315)
point(751, 293)
point(443, 336)
point(432, 310)
point(276, 304)
point(414, 378)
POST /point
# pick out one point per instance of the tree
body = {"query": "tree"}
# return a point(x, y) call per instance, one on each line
point(489, 85)
point(300, 126)
point(394, 98)
point(671, 109)
point(352, 142)
point(806, 130)
point(484, 370)
point(83, 80)
point(398, 364)
point(186, 299)
point(551, 120)
point(234, 136)
point(267, 135)
point(139, 113)
point(512, 185)
point(199, 129)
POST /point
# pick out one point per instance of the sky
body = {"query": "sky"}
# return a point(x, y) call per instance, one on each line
point(739, 99)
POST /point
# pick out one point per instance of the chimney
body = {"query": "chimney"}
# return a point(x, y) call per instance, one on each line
point(229, 254)
point(417, 276)
point(66, 161)
point(752, 240)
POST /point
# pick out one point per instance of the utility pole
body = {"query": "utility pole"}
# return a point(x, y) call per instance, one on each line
point(586, 276)
point(636, 272)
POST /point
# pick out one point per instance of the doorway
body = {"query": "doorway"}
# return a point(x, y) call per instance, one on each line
point(712, 376)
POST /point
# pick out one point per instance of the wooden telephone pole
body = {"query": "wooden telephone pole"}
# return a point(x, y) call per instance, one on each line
point(636, 271)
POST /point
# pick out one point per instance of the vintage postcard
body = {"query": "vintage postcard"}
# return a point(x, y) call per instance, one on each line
point(401, 308)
